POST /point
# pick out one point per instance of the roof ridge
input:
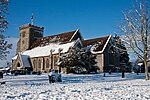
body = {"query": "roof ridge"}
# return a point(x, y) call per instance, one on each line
point(74, 34)
point(96, 38)
point(60, 33)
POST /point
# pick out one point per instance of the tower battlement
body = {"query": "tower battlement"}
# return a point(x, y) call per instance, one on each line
point(32, 26)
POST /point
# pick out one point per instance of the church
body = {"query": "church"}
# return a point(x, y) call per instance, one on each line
point(37, 53)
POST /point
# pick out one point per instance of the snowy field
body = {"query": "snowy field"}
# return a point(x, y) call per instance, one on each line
point(76, 87)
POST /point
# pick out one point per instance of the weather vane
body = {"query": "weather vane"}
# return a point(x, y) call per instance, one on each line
point(32, 19)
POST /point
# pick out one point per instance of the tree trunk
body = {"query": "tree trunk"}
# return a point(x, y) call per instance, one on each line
point(146, 40)
point(146, 70)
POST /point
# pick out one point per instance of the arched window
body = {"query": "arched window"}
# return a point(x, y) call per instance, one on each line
point(18, 64)
point(43, 64)
point(39, 63)
point(47, 63)
point(23, 34)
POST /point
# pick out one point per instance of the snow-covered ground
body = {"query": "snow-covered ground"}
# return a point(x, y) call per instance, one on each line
point(76, 87)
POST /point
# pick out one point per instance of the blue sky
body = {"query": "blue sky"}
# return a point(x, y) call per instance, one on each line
point(94, 18)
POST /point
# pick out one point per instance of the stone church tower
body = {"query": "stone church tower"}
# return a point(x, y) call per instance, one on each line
point(27, 35)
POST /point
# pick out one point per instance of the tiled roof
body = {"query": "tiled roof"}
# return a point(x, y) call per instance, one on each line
point(63, 37)
point(101, 41)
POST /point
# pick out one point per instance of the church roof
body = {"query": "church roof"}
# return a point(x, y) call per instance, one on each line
point(24, 60)
point(101, 41)
point(58, 38)
point(45, 50)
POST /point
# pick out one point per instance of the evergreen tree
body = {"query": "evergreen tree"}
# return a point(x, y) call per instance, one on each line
point(77, 58)
point(122, 51)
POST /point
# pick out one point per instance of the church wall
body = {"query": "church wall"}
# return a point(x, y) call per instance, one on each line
point(34, 64)
point(16, 64)
point(100, 62)
point(43, 64)
point(24, 39)
point(47, 63)
point(55, 58)
point(37, 64)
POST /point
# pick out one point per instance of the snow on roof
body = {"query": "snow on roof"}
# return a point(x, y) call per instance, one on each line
point(45, 50)
point(102, 49)
point(140, 64)
point(4, 68)
point(15, 57)
point(25, 61)
point(62, 37)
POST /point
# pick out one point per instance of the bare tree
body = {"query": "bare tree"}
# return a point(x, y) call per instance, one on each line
point(3, 14)
point(3, 26)
point(136, 28)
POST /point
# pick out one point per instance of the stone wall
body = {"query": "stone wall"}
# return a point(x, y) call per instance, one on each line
point(44, 64)
point(100, 62)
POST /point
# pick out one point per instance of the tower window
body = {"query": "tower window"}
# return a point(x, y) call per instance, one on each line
point(23, 33)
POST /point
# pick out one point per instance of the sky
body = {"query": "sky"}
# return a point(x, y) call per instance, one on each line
point(94, 18)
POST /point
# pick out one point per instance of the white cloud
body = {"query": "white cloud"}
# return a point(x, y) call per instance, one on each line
point(12, 51)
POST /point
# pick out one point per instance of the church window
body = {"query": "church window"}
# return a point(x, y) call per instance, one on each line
point(47, 63)
point(23, 34)
point(43, 65)
point(39, 63)
point(18, 64)
point(55, 61)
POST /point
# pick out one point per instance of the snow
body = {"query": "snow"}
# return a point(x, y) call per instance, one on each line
point(76, 87)
point(25, 62)
point(96, 52)
point(45, 50)
point(4, 68)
